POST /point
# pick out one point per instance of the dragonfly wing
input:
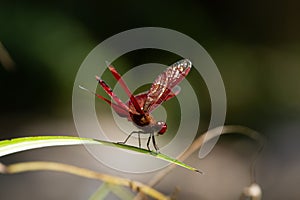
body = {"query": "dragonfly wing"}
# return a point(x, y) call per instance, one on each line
point(140, 99)
point(118, 109)
point(121, 111)
point(175, 91)
point(161, 89)
point(126, 89)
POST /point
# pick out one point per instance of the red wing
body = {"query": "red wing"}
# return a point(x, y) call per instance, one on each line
point(118, 109)
point(126, 89)
point(109, 91)
point(160, 90)
point(172, 94)
point(175, 91)
point(142, 97)
point(121, 109)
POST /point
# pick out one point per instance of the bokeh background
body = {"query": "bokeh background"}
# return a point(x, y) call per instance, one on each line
point(256, 46)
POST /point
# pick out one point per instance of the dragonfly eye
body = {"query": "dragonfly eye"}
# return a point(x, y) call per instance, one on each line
point(162, 126)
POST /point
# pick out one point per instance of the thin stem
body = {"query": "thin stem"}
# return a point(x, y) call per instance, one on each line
point(53, 166)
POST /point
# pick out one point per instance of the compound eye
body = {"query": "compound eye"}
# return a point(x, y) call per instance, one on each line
point(163, 127)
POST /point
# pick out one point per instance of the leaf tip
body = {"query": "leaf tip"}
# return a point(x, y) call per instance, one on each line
point(198, 171)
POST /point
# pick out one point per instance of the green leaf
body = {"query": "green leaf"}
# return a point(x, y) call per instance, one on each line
point(26, 143)
point(101, 192)
point(121, 192)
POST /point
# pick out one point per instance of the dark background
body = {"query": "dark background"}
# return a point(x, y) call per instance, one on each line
point(256, 46)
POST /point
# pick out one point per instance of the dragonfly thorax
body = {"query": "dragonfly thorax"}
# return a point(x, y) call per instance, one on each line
point(141, 119)
point(148, 124)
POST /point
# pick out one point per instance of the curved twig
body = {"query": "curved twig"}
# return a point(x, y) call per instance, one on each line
point(54, 166)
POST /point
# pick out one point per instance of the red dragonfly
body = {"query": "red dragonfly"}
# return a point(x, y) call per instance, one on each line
point(139, 107)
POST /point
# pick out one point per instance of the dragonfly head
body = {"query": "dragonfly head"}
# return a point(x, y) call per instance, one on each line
point(162, 127)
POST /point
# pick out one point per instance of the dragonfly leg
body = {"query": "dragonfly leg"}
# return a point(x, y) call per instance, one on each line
point(154, 143)
point(148, 142)
point(127, 138)
point(139, 137)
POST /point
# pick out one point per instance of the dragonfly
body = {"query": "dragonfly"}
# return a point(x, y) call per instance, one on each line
point(139, 107)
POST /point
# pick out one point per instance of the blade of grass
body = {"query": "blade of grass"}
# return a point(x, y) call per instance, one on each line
point(121, 192)
point(106, 188)
point(26, 143)
point(101, 192)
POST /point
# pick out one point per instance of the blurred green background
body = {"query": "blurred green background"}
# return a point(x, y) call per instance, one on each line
point(256, 46)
